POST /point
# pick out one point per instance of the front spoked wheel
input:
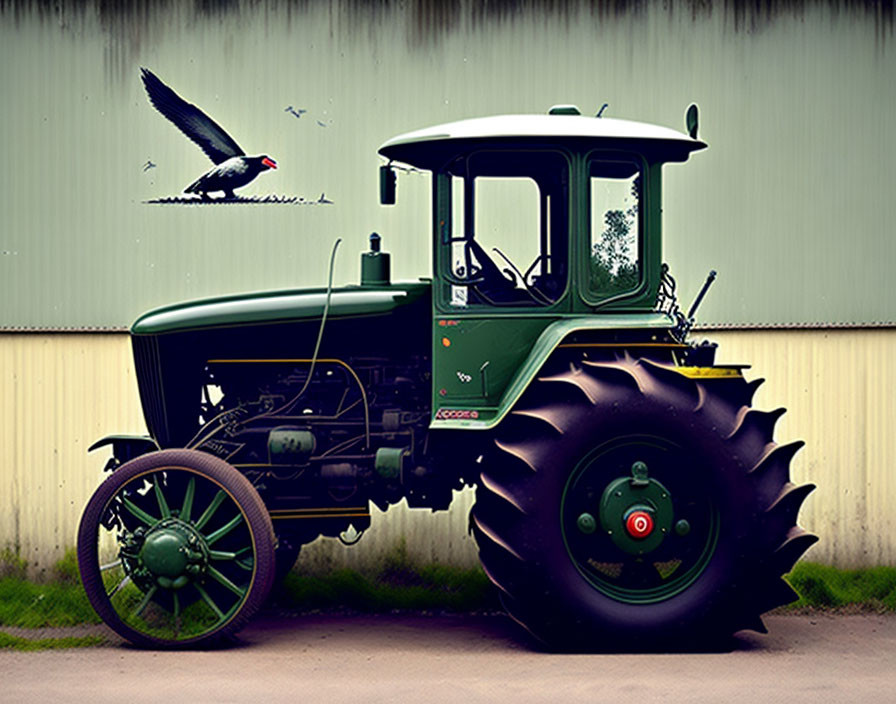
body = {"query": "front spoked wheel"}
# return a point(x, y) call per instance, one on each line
point(176, 549)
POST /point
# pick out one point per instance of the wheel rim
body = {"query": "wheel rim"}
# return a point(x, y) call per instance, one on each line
point(665, 543)
point(182, 554)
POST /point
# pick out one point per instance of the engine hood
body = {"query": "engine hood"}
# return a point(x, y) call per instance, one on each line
point(253, 308)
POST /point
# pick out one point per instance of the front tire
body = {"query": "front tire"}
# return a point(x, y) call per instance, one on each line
point(593, 455)
point(176, 549)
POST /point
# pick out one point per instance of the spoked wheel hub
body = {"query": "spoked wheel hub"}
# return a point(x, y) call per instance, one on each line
point(170, 555)
point(624, 513)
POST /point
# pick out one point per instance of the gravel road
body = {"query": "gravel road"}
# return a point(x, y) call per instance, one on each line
point(822, 659)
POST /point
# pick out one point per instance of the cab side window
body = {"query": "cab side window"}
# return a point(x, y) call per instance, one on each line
point(615, 189)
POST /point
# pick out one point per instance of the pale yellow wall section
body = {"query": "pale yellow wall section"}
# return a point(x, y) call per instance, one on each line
point(60, 392)
point(839, 388)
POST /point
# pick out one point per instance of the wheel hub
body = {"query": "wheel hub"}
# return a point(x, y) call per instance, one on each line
point(639, 522)
point(164, 553)
point(170, 555)
point(636, 512)
point(621, 528)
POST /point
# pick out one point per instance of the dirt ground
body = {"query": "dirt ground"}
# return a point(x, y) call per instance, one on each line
point(461, 658)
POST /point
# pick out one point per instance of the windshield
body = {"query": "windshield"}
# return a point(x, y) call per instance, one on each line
point(506, 230)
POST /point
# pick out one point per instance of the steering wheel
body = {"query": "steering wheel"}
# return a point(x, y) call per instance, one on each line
point(537, 295)
point(473, 279)
point(532, 268)
point(487, 268)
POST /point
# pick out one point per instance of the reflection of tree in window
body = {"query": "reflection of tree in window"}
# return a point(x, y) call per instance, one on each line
point(615, 197)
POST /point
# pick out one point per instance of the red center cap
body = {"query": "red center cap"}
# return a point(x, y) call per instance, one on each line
point(639, 524)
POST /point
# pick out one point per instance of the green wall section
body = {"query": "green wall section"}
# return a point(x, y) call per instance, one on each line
point(792, 203)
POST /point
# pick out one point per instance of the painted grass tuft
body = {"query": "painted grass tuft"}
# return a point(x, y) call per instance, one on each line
point(272, 199)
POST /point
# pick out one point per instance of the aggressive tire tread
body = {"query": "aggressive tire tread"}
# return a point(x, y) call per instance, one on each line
point(516, 517)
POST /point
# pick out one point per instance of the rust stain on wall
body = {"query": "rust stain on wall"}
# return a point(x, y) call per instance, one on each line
point(134, 25)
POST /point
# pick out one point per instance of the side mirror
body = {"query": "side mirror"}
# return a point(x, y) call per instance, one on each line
point(692, 120)
point(387, 185)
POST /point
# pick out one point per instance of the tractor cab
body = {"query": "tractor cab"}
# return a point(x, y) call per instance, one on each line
point(535, 214)
point(537, 220)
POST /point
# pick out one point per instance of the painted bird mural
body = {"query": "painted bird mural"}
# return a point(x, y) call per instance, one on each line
point(232, 169)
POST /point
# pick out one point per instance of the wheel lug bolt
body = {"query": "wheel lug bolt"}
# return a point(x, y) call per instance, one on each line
point(586, 523)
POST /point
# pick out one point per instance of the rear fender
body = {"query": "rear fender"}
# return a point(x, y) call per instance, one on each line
point(473, 416)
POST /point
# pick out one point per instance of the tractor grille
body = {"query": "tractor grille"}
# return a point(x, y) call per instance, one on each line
point(149, 380)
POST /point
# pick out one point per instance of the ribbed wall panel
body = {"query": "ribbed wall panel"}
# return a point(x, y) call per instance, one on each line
point(60, 392)
point(791, 203)
point(838, 387)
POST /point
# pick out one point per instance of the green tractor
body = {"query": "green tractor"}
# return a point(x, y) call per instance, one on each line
point(627, 495)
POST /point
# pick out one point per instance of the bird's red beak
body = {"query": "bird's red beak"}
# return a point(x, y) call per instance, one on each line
point(270, 163)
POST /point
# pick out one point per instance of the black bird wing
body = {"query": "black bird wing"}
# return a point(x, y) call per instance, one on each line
point(199, 127)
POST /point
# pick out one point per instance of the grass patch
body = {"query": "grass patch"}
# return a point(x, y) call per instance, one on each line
point(824, 587)
point(402, 585)
point(399, 584)
point(10, 642)
point(12, 564)
point(56, 603)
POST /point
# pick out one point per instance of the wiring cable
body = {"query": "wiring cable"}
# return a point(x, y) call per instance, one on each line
point(199, 438)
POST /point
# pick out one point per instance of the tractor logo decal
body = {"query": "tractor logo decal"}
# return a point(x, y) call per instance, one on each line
point(456, 414)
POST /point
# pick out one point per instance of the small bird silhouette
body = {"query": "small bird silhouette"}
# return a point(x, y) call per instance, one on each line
point(233, 169)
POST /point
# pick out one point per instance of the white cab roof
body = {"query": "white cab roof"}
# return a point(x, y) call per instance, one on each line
point(603, 131)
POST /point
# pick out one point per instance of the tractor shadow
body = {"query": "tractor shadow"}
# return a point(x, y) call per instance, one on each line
point(458, 632)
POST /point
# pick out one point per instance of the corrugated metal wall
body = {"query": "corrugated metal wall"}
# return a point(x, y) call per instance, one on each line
point(838, 386)
point(791, 203)
point(60, 392)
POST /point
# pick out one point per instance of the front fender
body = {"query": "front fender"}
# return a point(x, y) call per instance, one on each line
point(125, 448)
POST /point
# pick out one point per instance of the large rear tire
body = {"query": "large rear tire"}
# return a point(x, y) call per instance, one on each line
point(627, 506)
point(176, 549)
